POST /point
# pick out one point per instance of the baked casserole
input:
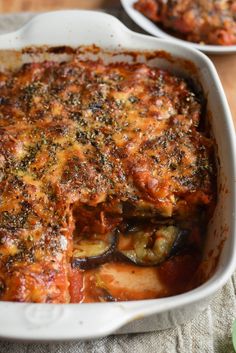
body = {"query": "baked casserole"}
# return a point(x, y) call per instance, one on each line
point(107, 182)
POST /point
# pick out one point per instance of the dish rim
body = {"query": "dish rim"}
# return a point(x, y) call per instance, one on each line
point(133, 309)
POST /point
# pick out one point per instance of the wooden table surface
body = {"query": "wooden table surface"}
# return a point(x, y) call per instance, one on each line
point(225, 64)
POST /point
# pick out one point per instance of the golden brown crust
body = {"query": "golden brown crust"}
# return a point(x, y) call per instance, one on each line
point(84, 139)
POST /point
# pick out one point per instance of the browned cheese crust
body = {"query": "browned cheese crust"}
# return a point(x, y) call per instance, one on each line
point(87, 144)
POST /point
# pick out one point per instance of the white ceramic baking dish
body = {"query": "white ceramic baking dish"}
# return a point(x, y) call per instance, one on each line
point(47, 322)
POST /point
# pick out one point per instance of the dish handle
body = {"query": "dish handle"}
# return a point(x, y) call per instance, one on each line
point(70, 28)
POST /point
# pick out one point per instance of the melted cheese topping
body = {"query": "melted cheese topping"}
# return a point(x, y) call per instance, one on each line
point(84, 144)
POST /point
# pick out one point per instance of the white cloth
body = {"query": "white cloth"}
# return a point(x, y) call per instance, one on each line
point(209, 332)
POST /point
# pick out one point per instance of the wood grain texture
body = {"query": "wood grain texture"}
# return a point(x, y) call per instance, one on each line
point(46, 5)
point(226, 67)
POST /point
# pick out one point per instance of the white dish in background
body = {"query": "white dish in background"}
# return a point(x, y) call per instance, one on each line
point(54, 322)
point(153, 29)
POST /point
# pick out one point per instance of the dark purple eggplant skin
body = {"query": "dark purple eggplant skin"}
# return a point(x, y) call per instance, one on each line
point(177, 247)
point(112, 254)
point(179, 242)
point(87, 263)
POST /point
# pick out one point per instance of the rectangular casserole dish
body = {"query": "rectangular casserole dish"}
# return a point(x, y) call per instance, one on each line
point(44, 322)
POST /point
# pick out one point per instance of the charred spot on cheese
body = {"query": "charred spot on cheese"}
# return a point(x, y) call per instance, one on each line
point(104, 168)
point(16, 220)
point(2, 286)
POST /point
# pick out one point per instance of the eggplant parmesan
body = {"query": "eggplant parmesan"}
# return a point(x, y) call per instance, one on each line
point(107, 182)
point(200, 21)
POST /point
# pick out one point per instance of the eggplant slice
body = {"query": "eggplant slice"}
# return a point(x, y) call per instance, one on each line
point(143, 245)
point(150, 247)
point(95, 250)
